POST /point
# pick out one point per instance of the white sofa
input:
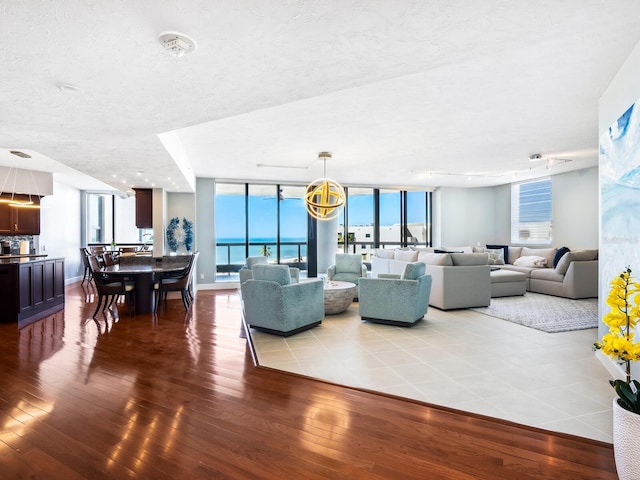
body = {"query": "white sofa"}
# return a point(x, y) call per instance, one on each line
point(458, 280)
point(575, 275)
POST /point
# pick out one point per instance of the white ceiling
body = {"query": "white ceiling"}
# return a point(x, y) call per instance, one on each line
point(399, 91)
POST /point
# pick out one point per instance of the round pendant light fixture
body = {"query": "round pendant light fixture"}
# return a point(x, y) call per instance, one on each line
point(324, 198)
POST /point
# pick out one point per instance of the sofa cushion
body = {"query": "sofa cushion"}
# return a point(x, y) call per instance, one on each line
point(413, 270)
point(547, 274)
point(405, 255)
point(561, 251)
point(422, 249)
point(578, 255)
point(496, 256)
point(272, 273)
point(547, 253)
point(514, 253)
point(383, 253)
point(443, 259)
point(463, 249)
point(504, 248)
point(469, 259)
point(533, 261)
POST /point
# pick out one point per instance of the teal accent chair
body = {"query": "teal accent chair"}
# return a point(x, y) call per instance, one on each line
point(348, 267)
point(272, 303)
point(245, 271)
point(396, 299)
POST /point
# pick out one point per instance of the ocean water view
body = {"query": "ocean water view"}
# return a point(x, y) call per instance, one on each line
point(232, 250)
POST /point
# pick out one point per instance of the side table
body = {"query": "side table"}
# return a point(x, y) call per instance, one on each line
point(338, 296)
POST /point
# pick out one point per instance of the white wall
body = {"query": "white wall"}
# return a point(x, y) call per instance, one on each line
point(205, 232)
point(464, 216)
point(468, 216)
point(60, 221)
point(182, 205)
point(575, 213)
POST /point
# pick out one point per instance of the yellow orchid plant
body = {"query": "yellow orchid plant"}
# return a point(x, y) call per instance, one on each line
point(619, 342)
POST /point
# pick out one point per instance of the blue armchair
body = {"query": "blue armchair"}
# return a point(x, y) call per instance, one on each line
point(348, 268)
point(272, 303)
point(245, 271)
point(396, 299)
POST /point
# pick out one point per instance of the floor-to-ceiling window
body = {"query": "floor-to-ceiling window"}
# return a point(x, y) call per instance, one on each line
point(257, 219)
point(271, 220)
point(263, 221)
point(112, 219)
point(359, 236)
point(292, 227)
point(231, 228)
point(418, 221)
point(390, 218)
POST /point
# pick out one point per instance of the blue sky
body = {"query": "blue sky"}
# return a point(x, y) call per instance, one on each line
point(230, 218)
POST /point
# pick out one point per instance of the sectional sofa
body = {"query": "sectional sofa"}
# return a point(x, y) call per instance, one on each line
point(459, 280)
point(573, 274)
point(458, 283)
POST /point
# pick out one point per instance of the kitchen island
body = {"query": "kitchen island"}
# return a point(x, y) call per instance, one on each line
point(31, 287)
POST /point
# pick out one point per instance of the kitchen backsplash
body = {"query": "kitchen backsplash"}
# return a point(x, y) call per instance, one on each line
point(14, 243)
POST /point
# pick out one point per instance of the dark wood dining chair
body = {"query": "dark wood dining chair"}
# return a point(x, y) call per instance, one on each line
point(177, 282)
point(107, 259)
point(110, 287)
point(85, 254)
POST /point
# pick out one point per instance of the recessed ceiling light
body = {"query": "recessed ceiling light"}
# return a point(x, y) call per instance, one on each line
point(176, 43)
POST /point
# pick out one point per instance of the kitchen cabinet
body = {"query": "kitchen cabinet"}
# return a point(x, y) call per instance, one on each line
point(20, 220)
point(144, 207)
point(30, 288)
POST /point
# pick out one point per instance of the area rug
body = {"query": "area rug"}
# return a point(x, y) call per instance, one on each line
point(545, 312)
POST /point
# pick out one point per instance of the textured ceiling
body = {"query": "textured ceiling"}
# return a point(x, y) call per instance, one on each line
point(399, 91)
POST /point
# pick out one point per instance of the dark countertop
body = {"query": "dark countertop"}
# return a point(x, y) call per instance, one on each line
point(5, 259)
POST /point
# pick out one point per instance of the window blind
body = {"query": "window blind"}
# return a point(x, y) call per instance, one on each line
point(531, 212)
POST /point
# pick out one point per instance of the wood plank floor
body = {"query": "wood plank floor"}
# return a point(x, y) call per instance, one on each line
point(177, 396)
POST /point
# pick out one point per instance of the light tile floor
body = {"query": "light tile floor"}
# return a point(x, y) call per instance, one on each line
point(460, 359)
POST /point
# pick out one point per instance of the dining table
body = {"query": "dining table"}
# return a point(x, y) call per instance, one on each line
point(143, 276)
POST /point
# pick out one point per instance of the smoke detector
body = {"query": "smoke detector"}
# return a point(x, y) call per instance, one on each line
point(177, 44)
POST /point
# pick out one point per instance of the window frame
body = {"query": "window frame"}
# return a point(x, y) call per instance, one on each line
point(537, 226)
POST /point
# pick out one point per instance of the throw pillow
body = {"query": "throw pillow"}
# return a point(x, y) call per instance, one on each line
point(405, 255)
point(384, 253)
point(531, 261)
point(547, 253)
point(505, 251)
point(496, 256)
point(412, 271)
point(561, 251)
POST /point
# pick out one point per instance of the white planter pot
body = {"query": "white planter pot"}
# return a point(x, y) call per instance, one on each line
point(626, 442)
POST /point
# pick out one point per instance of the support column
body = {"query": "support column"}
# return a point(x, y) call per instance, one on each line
point(327, 244)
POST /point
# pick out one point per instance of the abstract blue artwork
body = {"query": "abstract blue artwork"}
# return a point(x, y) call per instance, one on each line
point(620, 198)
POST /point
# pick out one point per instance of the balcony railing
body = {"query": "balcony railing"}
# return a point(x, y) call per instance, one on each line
point(224, 263)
